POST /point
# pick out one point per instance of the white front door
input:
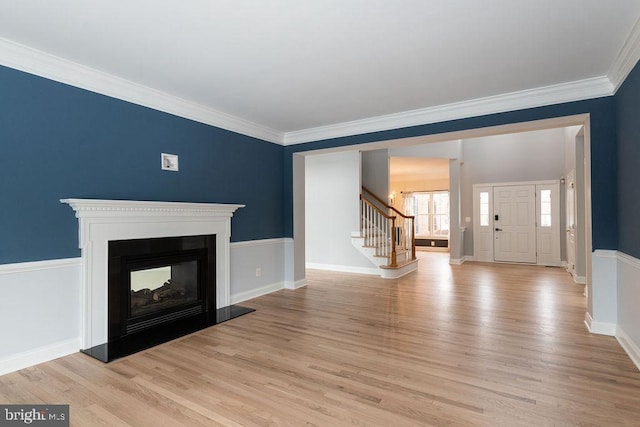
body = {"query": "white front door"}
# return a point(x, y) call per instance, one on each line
point(515, 223)
point(571, 222)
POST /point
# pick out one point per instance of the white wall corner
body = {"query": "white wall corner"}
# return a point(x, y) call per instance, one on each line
point(630, 347)
point(295, 285)
point(580, 280)
point(600, 328)
point(289, 260)
point(604, 290)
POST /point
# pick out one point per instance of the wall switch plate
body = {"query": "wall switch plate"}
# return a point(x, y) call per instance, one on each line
point(169, 162)
point(467, 219)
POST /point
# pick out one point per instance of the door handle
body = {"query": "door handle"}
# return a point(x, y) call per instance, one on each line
point(498, 229)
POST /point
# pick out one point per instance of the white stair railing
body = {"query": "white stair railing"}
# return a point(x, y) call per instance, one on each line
point(388, 234)
point(376, 228)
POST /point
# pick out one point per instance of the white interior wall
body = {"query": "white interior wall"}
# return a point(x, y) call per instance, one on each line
point(332, 209)
point(574, 160)
point(375, 172)
point(295, 266)
point(529, 156)
point(456, 232)
point(581, 245)
point(435, 150)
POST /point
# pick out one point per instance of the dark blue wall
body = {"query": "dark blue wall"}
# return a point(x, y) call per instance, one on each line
point(603, 153)
point(57, 141)
point(628, 114)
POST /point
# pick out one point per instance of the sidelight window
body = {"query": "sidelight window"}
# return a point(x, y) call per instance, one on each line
point(545, 208)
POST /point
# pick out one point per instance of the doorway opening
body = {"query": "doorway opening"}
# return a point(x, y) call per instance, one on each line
point(461, 240)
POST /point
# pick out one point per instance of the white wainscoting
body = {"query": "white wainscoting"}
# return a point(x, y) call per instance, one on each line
point(268, 256)
point(628, 328)
point(604, 287)
point(47, 326)
point(39, 312)
point(40, 308)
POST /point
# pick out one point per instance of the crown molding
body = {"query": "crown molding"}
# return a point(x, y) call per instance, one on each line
point(627, 58)
point(33, 61)
point(548, 95)
point(42, 64)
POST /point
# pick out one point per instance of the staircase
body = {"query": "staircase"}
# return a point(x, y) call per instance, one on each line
point(386, 237)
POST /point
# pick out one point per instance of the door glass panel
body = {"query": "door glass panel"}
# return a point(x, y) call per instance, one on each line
point(545, 208)
point(484, 209)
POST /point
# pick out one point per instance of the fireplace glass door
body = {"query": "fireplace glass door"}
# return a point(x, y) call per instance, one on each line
point(159, 289)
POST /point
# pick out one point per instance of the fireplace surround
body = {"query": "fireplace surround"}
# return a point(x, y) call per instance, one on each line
point(106, 223)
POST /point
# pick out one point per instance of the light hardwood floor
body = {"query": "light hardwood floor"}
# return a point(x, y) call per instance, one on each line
point(476, 344)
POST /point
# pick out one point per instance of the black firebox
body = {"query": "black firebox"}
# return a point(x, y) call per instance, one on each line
point(160, 289)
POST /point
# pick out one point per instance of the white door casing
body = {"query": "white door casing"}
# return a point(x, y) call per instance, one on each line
point(570, 195)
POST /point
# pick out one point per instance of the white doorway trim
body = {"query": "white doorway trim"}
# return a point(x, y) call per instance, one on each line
point(295, 267)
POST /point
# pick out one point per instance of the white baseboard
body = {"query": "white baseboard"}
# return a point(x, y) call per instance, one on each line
point(39, 355)
point(629, 346)
point(295, 285)
point(254, 293)
point(580, 280)
point(343, 268)
point(459, 261)
point(600, 328)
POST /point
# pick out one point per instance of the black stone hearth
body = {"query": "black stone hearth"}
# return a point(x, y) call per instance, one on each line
point(136, 342)
point(158, 290)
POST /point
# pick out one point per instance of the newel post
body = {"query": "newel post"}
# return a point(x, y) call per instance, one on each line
point(394, 259)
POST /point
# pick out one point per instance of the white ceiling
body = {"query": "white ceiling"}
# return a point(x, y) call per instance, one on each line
point(418, 169)
point(287, 66)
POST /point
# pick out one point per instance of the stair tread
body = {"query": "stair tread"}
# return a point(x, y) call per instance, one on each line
point(400, 264)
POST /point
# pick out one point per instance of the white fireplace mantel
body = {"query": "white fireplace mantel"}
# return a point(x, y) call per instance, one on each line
point(101, 221)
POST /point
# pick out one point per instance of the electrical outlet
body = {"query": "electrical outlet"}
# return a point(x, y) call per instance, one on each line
point(258, 272)
point(169, 162)
point(433, 243)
